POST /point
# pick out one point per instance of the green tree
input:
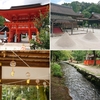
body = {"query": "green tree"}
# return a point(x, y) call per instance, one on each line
point(93, 8)
point(60, 55)
point(76, 6)
point(79, 55)
point(42, 24)
point(86, 13)
point(84, 7)
point(1, 21)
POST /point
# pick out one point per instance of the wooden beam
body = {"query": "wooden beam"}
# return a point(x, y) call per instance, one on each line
point(30, 63)
point(22, 82)
point(25, 59)
point(25, 54)
point(36, 58)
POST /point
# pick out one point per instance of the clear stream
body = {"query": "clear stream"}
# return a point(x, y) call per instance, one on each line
point(79, 87)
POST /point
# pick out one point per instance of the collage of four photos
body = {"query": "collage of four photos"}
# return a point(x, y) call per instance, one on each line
point(49, 50)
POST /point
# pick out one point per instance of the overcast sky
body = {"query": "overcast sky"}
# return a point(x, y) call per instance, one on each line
point(62, 1)
point(6, 4)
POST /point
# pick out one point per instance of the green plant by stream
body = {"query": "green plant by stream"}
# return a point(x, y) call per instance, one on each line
point(56, 70)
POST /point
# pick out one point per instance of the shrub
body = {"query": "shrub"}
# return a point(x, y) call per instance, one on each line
point(56, 70)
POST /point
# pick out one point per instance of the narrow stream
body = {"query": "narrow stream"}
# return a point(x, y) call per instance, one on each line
point(79, 87)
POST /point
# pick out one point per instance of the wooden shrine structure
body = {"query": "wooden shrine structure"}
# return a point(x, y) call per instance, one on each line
point(21, 20)
point(35, 62)
point(63, 17)
point(89, 60)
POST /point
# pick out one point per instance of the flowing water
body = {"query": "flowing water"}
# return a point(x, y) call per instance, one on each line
point(79, 87)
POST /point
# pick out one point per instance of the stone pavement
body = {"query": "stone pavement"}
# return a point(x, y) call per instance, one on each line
point(92, 69)
point(15, 46)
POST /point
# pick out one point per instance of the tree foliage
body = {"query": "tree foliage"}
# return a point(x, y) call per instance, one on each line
point(79, 55)
point(84, 7)
point(1, 21)
point(60, 55)
point(42, 24)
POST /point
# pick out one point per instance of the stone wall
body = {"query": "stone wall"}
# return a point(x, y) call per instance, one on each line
point(92, 78)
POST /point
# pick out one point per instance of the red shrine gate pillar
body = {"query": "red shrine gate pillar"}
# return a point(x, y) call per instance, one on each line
point(16, 29)
point(16, 34)
point(29, 32)
point(11, 36)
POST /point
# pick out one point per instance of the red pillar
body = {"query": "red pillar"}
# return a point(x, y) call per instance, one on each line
point(16, 33)
point(29, 32)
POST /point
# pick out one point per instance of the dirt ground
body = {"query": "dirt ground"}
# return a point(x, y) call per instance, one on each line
point(80, 38)
point(58, 90)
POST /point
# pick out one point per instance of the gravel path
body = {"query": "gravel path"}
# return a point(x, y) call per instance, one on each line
point(82, 40)
point(93, 69)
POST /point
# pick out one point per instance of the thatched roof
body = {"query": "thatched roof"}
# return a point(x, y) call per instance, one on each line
point(60, 18)
point(62, 10)
point(95, 16)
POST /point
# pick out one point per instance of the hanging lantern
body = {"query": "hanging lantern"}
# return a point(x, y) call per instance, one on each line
point(12, 73)
point(28, 77)
point(13, 63)
point(37, 87)
point(45, 86)
point(37, 81)
point(44, 83)
point(28, 81)
point(4, 53)
point(28, 74)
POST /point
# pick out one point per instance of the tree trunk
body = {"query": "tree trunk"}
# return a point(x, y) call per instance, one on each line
point(94, 57)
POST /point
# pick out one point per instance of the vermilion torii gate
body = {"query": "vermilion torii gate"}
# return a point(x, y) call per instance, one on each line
point(21, 20)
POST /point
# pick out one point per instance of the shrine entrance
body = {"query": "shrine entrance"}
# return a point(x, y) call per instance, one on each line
point(22, 20)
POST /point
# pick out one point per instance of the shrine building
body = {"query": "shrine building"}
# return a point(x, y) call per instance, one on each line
point(20, 20)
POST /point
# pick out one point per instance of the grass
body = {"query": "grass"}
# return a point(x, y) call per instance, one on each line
point(58, 89)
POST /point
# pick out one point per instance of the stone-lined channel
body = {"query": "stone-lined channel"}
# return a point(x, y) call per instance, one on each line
point(79, 87)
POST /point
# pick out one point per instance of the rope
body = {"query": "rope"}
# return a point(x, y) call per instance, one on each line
point(21, 59)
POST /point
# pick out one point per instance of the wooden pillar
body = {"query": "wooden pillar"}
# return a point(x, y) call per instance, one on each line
point(72, 29)
point(52, 28)
point(0, 81)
